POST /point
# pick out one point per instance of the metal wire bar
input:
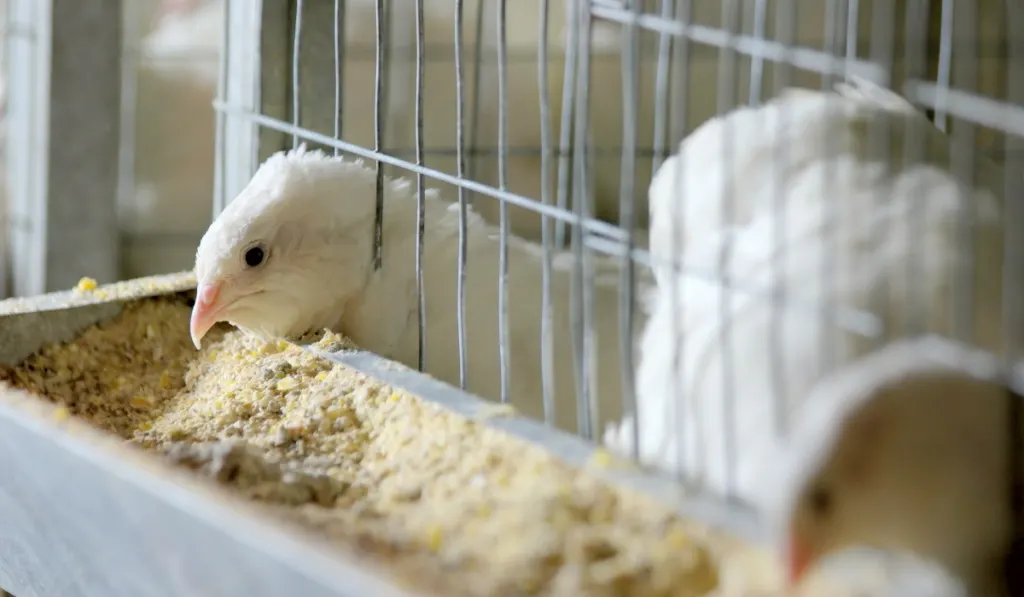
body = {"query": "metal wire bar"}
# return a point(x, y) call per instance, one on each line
point(833, 44)
point(581, 297)
point(785, 32)
point(478, 61)
point(802, 58)
point(460, 140)
point(565, 136)
point(219, 184)
point(832, 13)
point(661, 82)
point(726, 92)
point(503, 334)
point(547, 339)
point(677, 386)
point(852, 29)
point(627, 221)
point(129, 104)
point(339, 70)
point(881, 50)
point(757, 62)
point(945, 61)
point(421, 295)
point(962, 150)
point(378, 135)
point(913, 152)
point(296, 61)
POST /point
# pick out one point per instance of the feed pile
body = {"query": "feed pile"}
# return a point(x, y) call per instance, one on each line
point(443, 501)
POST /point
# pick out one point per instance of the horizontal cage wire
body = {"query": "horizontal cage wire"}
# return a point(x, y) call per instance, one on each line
point(538, 253)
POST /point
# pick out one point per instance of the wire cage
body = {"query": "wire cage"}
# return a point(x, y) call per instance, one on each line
point(552, 120)
point(493, 111)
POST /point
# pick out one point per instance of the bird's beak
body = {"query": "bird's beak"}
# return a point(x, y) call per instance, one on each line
point(798, 560)
point(205, 313)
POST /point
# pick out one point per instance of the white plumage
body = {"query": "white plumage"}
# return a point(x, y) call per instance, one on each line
point(907, 450)
point(856, 229)
point(311, 217)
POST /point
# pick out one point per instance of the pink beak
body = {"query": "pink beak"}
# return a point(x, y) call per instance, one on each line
point(205, 313)
point(798, 561)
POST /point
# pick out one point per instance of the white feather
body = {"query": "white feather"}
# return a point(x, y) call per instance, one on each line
point(842, 236)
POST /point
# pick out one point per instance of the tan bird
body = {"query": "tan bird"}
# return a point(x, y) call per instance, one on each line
point(906, 450)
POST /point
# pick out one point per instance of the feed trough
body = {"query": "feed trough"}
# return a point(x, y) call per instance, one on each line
point(135, 465)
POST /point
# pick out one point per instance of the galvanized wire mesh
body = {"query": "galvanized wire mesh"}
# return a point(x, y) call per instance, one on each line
point(551, 117)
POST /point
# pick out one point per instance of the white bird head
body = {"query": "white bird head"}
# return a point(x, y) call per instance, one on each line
point(913, 449)
point(287, 253)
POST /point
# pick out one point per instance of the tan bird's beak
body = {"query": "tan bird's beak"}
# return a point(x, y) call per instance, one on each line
point(205, 313)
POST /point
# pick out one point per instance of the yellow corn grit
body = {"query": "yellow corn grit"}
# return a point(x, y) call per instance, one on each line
point(445, 502)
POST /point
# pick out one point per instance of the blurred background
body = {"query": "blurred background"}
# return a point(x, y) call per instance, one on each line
point(105, 101)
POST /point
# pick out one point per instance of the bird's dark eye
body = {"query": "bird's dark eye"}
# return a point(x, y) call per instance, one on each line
point(254, 256)
point(820, 500)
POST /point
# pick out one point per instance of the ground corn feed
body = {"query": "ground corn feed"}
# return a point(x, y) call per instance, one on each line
point(444, 502)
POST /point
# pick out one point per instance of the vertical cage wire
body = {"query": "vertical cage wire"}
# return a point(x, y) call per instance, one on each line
point(547, 340)
point(945, 65)
point(913, 152)
point(581, 289)
point(421, 296)
point(223, 70)
point(296, 71)
point(676, 285)
point(882, 51)
point(565, 137)
point(726, 93)
point(786, 33)
point(478, 63)
point(503, 330)
point(835, 13)
point(339, 70)
point(378, 133)
point(962, 161)
point(661, 96)
point(462, 199)
point(130, 62)
point(627, 220)
point(757, 63)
